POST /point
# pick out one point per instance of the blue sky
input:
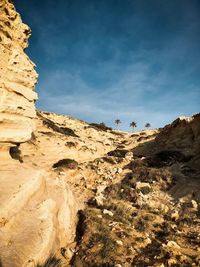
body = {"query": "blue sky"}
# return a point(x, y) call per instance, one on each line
point(98, 60)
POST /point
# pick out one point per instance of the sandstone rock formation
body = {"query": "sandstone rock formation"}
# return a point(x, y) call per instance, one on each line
point(17, 79)
point(37, 209)
point(37, 215)
point(182, 135)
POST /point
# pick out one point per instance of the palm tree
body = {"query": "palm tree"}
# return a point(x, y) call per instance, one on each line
point(133, 124)
point(117, 121)
point(147, 125)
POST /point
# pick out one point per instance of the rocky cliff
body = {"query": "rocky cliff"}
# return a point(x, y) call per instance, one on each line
point(182, 135)
point(17, 79)
point(37, 209)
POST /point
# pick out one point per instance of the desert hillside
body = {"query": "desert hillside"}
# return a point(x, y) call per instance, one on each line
point(85, 195)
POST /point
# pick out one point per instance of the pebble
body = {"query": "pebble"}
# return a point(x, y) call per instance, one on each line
point(119, 170)
point(194, 204)
point(140, 185)
point(108, 212)
point(119, 242)
point(172, 245)
point(175, 215)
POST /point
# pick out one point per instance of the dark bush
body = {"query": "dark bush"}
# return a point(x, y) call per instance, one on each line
point(99, 126)
point(70, 144)
point(167, 157)
point(52, 125)
point(66, 163)
point(118, 153)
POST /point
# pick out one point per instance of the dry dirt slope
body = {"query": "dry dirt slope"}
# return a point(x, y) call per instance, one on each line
point(39, 200)
point(136, 194)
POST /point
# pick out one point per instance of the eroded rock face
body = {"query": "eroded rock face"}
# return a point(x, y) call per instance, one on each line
point(182, 135)
point(17, 78)
point(37, 208)
point(37, 215)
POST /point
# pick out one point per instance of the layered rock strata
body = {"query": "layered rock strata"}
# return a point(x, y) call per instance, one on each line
point(182, 135)
point(17, 79)
point(37, 209)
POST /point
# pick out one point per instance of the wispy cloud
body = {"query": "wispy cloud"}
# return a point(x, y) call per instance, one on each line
point(98, 60)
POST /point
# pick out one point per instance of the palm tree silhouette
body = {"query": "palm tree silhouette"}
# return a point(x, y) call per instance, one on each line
point(117, 121)
point(133, 124)
point(147, 125)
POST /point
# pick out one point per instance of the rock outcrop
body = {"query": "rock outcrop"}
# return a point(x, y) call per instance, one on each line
point(37, 215)
point(182, 135)
point(37, 208)
point(17, 79)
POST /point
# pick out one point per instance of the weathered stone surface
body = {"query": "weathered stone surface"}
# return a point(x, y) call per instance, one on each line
point(37, 215)
point(17, 78)
point(37, 209)
point(182, 135)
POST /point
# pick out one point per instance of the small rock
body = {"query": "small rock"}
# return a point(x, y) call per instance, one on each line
point(113, 224)
point(101, 188)
point(99, 200)
point(129, 155)
point(114, 170)
point(171, 262)
point(119, 242)
point(108, 212)
point(119, 170)
point(67, 253)
point(194, 204)
point(175, 216)
point(172, 245)
point(140, 185)
point(148, 241)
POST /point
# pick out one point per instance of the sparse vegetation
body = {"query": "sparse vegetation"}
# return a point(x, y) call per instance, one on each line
point(137, 231)
point(118, 153)
point(70, 144)
point(100, 126)
point(118, 122)
point(133, 125)
point(66, 163)
point(147, 125)
point(52, 125)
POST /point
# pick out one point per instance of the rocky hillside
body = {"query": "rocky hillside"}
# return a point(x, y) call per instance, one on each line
point(147, 213)
point(123, 199)
point(84, 195)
